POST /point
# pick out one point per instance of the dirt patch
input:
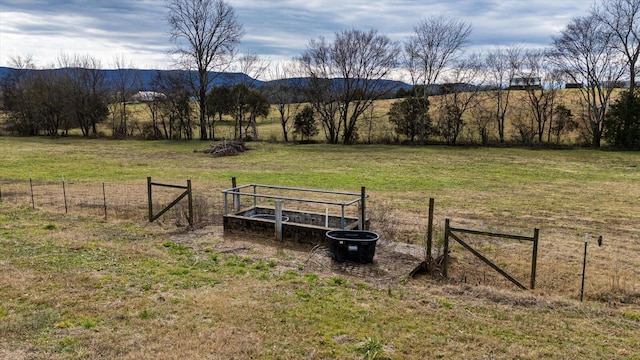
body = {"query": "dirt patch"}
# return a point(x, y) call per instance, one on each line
point(8, 354)
point(393, 261)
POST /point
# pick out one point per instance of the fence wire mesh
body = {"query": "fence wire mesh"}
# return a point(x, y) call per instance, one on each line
point(120, 200)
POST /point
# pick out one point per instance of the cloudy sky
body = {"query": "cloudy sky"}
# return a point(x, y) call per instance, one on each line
point(136, 30)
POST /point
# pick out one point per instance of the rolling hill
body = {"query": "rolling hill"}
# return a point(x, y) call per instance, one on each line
point(145, 78)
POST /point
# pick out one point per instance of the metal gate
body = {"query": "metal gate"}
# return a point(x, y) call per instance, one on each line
point(451, 232)
point(187, 193)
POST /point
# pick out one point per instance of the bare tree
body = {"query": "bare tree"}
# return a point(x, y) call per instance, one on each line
point(22, 62)
point(152, 99)
point(86, 96)
point(16, 103)
point(481, 120)
point(502, 66)
point(541, 100)
point(205, 33)
point(622, 19)
point(47, 97)
point(73, 95)
point(251, 67)
point(347, 76)
point(585, 52)
point(124, 81)
point(320, 89)
point(174, 112)
point(282, 92)
point(460, 95)
point(434, 44)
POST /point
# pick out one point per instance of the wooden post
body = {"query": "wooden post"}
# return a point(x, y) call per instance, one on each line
point(534, 258)
point(190, 199)
point(64, 195)
point(150, 198)
point(428, 256)
point(445, 256)
point(33, 201)
point(363, 209)
point(104, 200)
point(278, 215)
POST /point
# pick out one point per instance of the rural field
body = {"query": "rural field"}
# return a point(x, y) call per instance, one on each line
point(374, 125)
point(79, 285)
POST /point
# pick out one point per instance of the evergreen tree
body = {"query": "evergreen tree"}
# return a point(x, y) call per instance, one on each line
point(409, 115)
point(305, 123)
point(622, 124)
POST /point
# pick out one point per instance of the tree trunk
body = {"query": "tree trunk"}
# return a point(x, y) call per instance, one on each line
point(203, 116)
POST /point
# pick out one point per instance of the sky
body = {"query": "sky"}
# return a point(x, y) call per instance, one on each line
point(277, 30)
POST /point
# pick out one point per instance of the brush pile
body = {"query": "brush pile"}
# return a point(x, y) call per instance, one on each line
point(226, 148)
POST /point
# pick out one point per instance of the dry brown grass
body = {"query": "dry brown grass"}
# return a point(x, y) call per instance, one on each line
point(127, 292)
point(76, 286)
point(375, 127)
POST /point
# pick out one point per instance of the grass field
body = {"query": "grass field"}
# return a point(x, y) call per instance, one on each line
point(374, 126)
point(76, 286)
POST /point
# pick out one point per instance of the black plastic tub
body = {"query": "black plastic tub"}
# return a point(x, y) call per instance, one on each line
point(353, 245)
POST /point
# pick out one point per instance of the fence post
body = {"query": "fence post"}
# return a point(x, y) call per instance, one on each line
point(104, 200)
point(278, 214)
point(33, 201)
point(150, 198)
point(584, 265)
point(236, 197)
point(363, 210)
point(190, 198)
point(428, 256)
point(445, 257)
point(534, 258)
point(255, 199)
point(64, 195)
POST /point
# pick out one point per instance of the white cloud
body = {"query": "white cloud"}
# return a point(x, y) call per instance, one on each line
point(276, 29)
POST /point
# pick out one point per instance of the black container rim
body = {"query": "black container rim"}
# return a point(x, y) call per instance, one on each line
point(333, 235)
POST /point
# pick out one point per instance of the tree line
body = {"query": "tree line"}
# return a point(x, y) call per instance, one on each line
point(506, 94)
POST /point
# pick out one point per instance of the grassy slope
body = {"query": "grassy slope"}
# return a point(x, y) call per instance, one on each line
point(75, 287)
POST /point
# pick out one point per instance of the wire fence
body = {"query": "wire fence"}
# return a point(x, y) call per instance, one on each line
point(109, 200)
point(128, 200)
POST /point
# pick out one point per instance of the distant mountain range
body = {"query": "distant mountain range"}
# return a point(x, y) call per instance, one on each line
point(147, 77)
